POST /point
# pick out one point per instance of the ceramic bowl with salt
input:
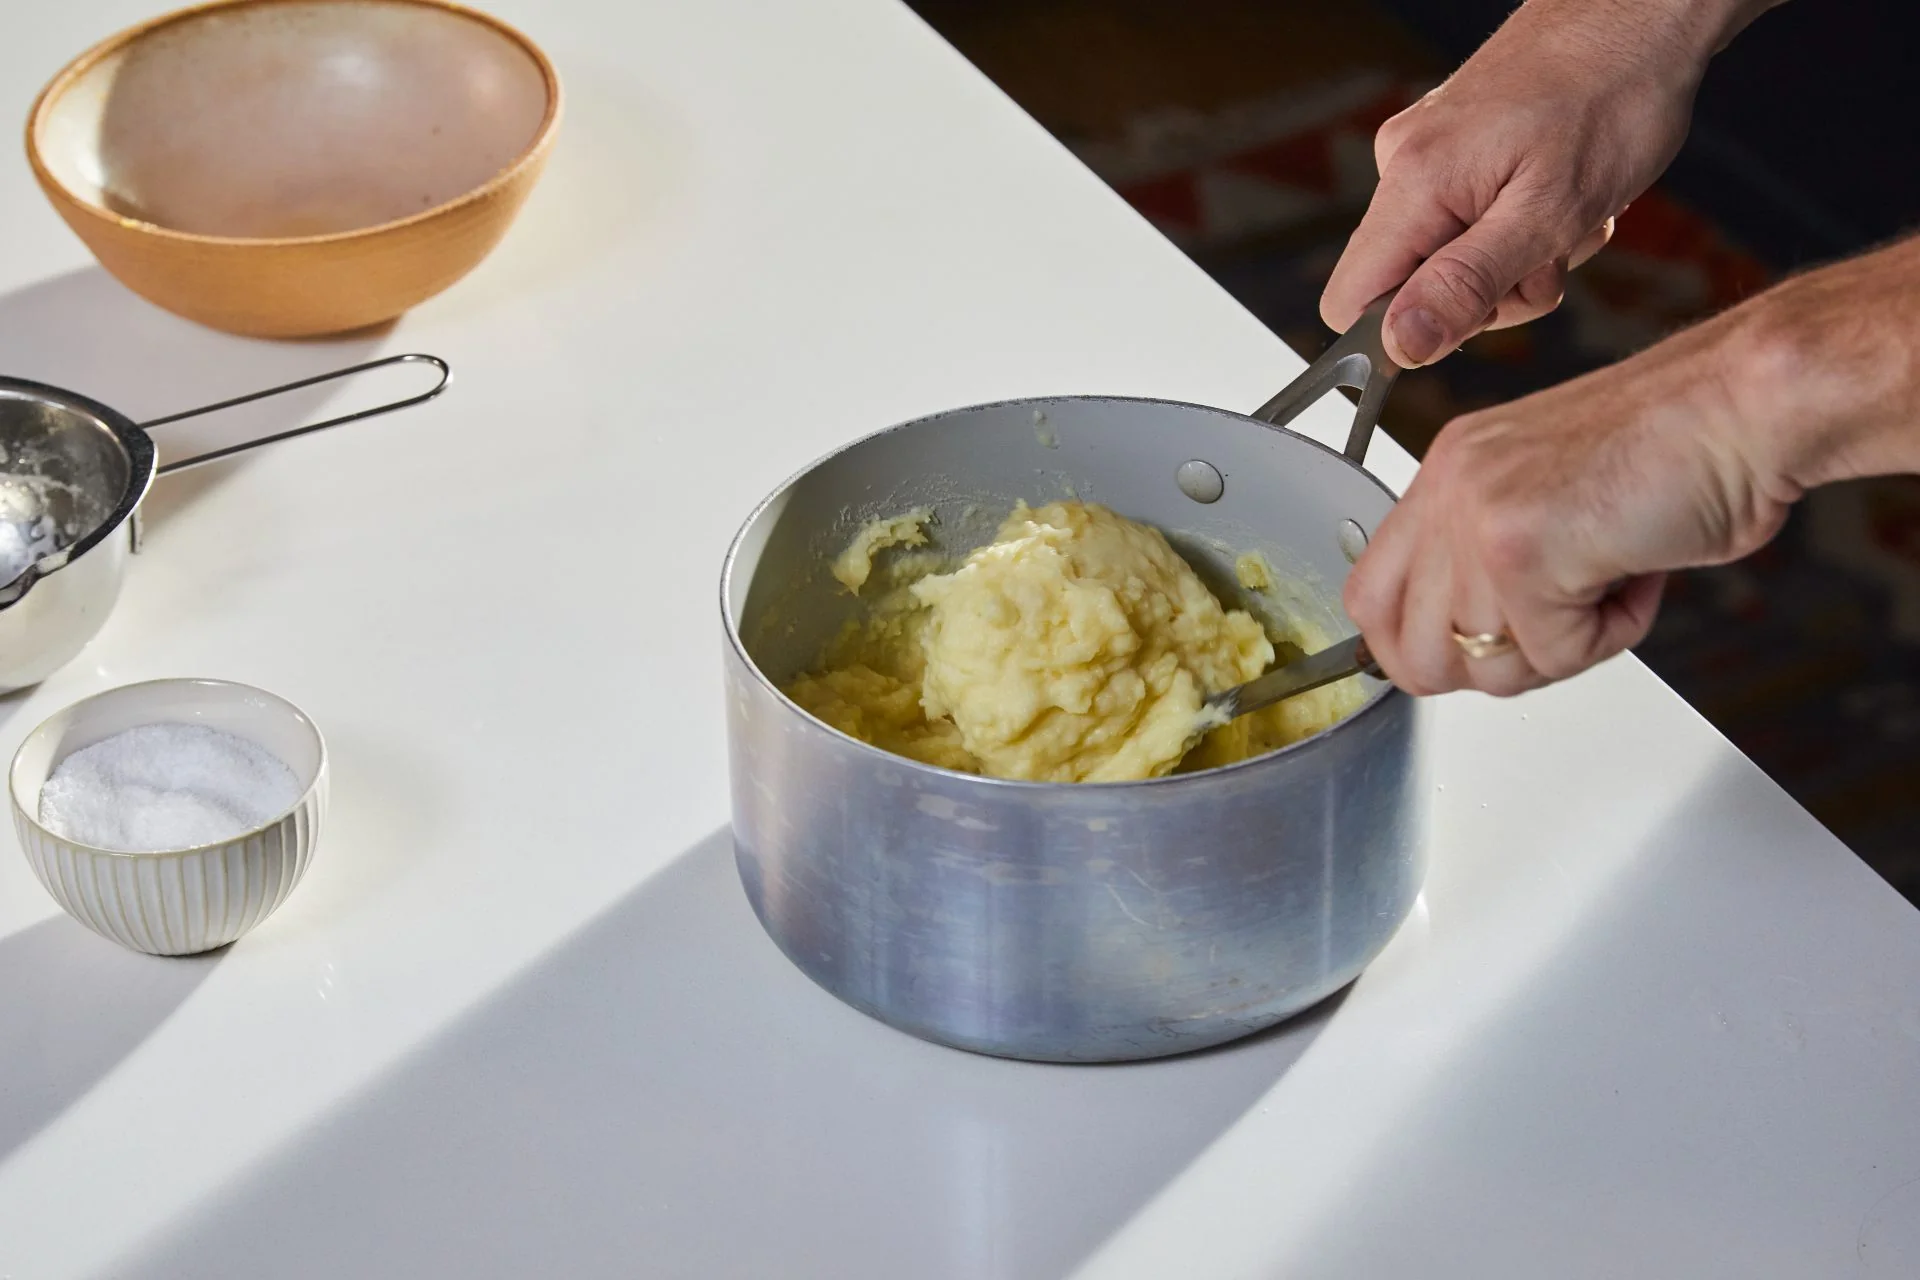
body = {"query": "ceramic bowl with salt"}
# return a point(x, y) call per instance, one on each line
point(173, 901)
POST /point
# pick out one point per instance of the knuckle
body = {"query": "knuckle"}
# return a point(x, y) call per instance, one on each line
point(1515, 311)
point(1432, 672)
point(1505, 534)
point(1385, 145)
point(1426, 664)
point(1365, 601)
point(1559, 661)
point(1629, 639)
point(1449, 460)
point(1510, 680)
point(1508, 539)
point(1410, 152)
point(1393, 134)
point(1408, 681)
point(1448, 473)
point(1466, 279)
point(1543, 290)
point(1436, 471)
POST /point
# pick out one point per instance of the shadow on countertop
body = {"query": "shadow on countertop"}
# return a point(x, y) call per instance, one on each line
point(1689, 1034)
point(666, 1095)
point(74, 1006)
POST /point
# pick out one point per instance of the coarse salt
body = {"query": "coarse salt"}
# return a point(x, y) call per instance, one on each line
point(165, 786)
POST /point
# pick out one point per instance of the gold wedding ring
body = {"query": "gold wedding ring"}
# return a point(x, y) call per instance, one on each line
point(1486, 644)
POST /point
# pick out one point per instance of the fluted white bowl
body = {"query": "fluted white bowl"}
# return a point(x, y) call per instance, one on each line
point(183, 901)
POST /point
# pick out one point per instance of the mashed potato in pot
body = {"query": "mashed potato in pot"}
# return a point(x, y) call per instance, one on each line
point(1077, 646)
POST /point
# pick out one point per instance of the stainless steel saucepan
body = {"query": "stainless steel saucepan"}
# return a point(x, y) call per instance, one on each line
point(72, 475)
point(1076, 922)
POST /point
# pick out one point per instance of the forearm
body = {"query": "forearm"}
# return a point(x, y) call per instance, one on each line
point(1664, 36)
point(1823, 370)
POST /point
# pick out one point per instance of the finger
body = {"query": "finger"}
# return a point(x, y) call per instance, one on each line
point(1456, 289)
point(1564, 638)
point(1430, 660)
point(1388, 137)
point(1405, 222)
point(1376, 587)
point(1554, 633)
point(1477, 611)
point(1591, 243)
point(1560, 637)
point(1544, 288)
point(1538, 292)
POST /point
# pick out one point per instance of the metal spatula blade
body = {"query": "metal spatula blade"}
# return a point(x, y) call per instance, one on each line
point(1350, 657)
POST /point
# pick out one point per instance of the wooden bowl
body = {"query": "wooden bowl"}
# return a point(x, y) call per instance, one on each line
point(285, 168)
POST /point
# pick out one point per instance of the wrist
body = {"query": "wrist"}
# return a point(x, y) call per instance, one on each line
point(1823, 371)
point(1666, 38)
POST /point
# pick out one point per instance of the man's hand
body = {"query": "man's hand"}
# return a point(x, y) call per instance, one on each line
point(1496, 183)
point(1555, 518)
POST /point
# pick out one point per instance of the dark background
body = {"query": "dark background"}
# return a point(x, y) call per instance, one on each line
point(1241, 128)
point(1806, 135)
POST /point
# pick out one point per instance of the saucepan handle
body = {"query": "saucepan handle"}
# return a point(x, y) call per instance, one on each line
point(1357, 359)
point(213, 456)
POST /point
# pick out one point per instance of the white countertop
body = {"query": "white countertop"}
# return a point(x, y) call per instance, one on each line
point(1650, 1019)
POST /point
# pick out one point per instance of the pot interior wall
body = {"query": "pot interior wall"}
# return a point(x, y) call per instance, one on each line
point(1284, 496)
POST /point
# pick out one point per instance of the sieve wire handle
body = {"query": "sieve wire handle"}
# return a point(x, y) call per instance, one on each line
point(1357, 360)
point(446, 374)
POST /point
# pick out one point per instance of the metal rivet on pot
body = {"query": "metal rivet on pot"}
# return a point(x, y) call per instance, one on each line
point(1200, 481)
point(1353, 540)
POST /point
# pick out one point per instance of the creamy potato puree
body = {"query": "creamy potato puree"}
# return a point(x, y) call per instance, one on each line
point(869, 687)
point(855, 565)
point(1253, 571)
point(1076, 647)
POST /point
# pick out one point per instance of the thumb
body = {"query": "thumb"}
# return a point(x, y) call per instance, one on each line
point(1456, 290)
